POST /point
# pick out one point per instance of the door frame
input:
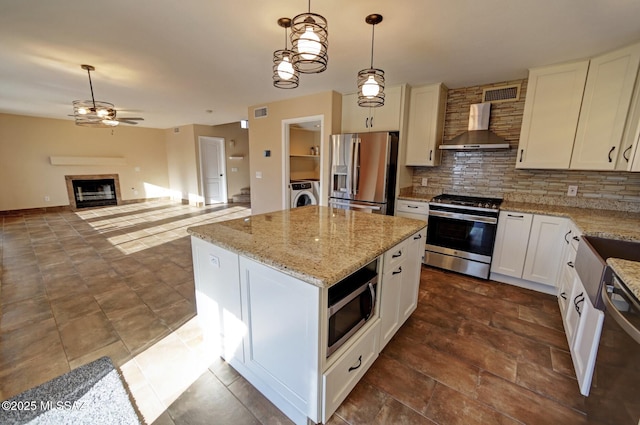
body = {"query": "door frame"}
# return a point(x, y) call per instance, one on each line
point(224, 182)
point(286, 199)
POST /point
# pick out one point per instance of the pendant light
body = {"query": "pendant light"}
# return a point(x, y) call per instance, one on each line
point(371, 80)
point(285, 76)
point(309, 42)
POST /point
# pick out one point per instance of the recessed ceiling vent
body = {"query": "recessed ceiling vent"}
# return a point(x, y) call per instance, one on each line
point(260, 112)
point(509, 93)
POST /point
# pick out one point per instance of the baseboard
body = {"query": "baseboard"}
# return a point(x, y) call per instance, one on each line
point(527, 284)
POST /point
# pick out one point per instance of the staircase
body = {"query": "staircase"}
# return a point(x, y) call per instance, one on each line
point(243, 197)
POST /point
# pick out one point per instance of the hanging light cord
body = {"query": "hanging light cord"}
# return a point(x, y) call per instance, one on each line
point(91, 87)
point(373, 33)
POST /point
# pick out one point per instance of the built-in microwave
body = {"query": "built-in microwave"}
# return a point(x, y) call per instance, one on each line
point(351, 304)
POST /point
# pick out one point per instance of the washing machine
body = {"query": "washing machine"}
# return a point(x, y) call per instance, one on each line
point(303, 193)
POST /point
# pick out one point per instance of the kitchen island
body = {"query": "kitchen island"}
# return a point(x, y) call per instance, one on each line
point(262, 294)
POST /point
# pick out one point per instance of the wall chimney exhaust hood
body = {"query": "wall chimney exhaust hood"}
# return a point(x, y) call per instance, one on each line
point(478, 136)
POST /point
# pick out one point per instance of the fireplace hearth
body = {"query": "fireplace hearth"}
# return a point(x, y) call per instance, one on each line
point(93, 190)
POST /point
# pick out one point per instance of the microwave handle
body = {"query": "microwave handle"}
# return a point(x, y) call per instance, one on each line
point(372, 294)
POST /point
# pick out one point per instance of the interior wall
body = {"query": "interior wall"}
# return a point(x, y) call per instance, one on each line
point(182, 164)
point(27, 175)
point(265, 134)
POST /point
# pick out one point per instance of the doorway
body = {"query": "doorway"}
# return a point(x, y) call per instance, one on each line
point(213, 170)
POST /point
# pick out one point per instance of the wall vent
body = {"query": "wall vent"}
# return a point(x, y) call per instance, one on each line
point(260, 112)
point(509, 93)
point(176, 129)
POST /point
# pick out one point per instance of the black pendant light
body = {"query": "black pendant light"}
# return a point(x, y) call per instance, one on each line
point(285, 76)
point(309, 42)
point(371, 80)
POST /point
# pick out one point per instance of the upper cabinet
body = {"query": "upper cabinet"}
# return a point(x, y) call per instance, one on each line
point(629, 154)
point(575, 119)
point(605, 106)
point(356, 119)
point(427, 107)
point(550, 118)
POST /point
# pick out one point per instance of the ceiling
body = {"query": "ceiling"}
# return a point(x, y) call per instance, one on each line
point(171, 62)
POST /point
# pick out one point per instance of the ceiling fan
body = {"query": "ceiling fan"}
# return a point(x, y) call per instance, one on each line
point(96, 113)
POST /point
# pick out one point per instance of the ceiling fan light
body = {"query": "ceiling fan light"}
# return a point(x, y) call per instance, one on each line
point(82, 111)
point(103, 113)
point(110, 123)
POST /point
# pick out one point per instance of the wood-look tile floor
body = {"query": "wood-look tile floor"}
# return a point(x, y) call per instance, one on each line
point(118, 281)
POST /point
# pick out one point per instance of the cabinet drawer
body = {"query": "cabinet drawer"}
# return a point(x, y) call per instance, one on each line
point(415, 207)
point(395, 256)
point(343, 375)
point(574, 236)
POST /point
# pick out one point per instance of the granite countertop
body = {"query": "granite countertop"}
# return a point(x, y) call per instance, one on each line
point(628, 272)
point(316, 244)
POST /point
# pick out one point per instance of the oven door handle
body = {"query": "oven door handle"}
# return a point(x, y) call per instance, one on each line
point(626, 326)
point(466, 217)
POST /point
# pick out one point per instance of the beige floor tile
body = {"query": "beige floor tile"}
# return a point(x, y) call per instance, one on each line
point(86, 334)
point(24, 312)
point(73, 306)
point(116, 351)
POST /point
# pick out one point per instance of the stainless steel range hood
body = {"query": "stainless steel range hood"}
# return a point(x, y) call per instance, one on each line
point(478, 136)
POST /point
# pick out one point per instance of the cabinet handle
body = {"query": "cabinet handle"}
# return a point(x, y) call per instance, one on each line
point(576, 302)
point(576, 238)
point(398, 271)
point(610, 152)
point(515, 216)
point(415, 238)
point(412, 206)
point(371, 122)
point(352, 368)
point(563, 295)
point(624, 154)
point(397, 254)
point(565, 237)
point(430, 154)
point(366, 122)
point(570, 264)
point(521, 153)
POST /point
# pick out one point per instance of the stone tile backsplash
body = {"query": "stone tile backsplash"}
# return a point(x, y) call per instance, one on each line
point(493, 173)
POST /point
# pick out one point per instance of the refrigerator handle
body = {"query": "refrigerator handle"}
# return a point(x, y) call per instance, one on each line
point(356, 166)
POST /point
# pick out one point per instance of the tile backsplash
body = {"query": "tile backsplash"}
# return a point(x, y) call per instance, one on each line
point(493, 173)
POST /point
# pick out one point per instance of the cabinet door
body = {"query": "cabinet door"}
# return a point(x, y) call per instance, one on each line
point(629, 146)
point(411, 276)
point(282, 319)
point(510, 248)
point(585, 345)
point(426, 124)
point(572, 317)
point(217, 287)
point(544, 252)
point(390, 303)
point(550, 118)
point(605, 105)
point(356, 119)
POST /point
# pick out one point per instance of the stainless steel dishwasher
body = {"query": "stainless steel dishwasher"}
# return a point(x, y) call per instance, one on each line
point(615, 392)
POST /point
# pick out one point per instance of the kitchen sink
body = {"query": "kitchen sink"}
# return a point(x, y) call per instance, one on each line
point(591, 262)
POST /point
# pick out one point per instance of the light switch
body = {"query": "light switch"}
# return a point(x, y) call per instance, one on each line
point(234, 169)
point(258, 174)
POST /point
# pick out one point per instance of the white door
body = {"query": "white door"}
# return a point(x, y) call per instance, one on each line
point(213, 170)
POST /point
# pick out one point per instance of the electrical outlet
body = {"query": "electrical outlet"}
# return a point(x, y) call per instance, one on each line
point(572, 191)
point(46, 198)
point(424, 181)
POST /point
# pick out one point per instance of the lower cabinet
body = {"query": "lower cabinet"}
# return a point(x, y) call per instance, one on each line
point(528, 247)
point(400, 285)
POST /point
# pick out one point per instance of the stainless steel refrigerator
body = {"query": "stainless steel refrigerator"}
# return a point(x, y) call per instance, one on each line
point(363, 171)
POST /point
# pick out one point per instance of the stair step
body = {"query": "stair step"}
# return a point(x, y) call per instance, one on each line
point(241, 197)
point(245, 191)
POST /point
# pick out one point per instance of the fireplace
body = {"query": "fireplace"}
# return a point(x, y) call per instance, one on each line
point(93, 190)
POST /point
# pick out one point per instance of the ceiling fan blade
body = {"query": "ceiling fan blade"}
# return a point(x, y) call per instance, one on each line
point(126, 121)
point(132, 118)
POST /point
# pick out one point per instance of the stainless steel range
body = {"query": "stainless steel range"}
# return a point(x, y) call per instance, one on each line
point(461, 233)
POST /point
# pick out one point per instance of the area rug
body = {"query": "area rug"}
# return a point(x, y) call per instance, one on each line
point(91, 394)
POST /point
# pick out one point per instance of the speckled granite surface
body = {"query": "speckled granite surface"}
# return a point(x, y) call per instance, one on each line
point(629, 272)
point(90, 394)
point(319, 245)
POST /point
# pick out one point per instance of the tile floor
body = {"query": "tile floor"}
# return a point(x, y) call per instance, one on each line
point(118, 281)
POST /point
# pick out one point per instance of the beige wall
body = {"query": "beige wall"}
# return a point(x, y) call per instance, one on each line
point(27, 176)
point(268, 192)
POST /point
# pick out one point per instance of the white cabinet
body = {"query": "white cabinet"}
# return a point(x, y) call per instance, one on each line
point(629, 155)
point(510, 248)
point(218, 301)
point(528, 247)
point(412, 209)
point(400, 285)
point(550, 118)
point(575, 113)
point(544, 251)
point(426, 123)
point(605, 106)
point(356, 119)
point(585, 346)
point(566, 282)
point(282, 321)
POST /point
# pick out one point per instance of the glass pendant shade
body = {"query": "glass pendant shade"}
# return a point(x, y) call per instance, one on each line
point(309, 42)
point(285, 76)
point(371, 80)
